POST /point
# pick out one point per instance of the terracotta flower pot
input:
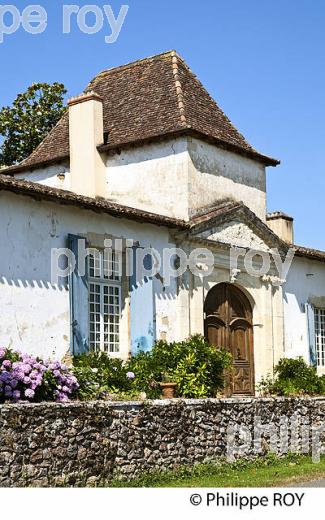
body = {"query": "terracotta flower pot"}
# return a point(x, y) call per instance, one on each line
point(168, 390)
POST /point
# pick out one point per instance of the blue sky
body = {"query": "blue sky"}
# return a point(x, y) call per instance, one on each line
point(263, 61)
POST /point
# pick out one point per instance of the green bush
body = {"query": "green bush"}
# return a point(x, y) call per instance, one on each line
point(196, 366)
point(293, 377)
point(101, 377)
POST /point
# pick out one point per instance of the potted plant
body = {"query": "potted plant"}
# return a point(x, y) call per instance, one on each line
point(167, 385)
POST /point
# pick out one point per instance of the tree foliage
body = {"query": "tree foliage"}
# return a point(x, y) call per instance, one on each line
point(30, 118)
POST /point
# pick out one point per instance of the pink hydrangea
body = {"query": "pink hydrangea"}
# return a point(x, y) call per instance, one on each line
point(34, 379)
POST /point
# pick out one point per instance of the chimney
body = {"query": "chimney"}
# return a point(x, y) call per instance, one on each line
point(281, 224)
point(86, 132)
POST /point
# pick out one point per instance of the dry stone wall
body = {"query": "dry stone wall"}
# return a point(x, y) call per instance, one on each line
point(88, 444)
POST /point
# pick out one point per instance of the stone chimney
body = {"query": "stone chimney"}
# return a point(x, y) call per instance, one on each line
point(281, 224)
point(86, 132)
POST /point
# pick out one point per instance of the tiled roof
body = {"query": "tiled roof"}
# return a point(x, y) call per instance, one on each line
point(311, 254)
point(229, 210)
point(99, 205)
point(219, 213)
point(152, 98)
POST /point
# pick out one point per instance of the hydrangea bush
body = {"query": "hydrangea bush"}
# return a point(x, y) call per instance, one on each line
point(27, 378)
point(197, 368)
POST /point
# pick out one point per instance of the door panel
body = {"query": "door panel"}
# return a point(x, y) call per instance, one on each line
point(228, 324)
point(215, 331)
point(240, 340)
point(242, 381)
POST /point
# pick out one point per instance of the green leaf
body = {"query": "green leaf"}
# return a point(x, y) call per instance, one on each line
point(27, 122)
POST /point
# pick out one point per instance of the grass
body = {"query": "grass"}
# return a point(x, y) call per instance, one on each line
point(265, 471)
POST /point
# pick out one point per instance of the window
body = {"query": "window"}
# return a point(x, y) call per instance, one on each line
point(320, 336)
point(105, 300)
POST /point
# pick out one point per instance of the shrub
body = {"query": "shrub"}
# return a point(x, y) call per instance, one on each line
point(103, 377)
point(24, 377)
point(196, 366)
point(293, 377)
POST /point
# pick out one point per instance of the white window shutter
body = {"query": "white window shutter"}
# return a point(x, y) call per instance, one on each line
point(141, 308)
point(310, 315)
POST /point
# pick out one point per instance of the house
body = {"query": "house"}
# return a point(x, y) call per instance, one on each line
point(142, 216)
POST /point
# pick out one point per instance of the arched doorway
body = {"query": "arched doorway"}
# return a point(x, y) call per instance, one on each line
point(228, 323)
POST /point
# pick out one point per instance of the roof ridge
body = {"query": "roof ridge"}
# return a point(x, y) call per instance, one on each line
point(163, 98)
point(200, 84)
point(179, 90)
point(217, 206)
point(130, 65)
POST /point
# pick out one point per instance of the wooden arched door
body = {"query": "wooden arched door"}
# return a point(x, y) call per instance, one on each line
point(228, 324)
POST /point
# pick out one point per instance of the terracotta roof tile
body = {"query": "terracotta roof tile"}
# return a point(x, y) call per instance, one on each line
point(150, 98)
point(99, 205)
point(219, 213)
point(311, 254)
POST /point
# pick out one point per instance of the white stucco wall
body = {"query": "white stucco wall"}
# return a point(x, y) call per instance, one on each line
point(236, 233)
point(180, 176)
point(216, 174)
point(35, 314)
point(55, 176)
point(152, 177)
point(305, 284)
point(175, 178)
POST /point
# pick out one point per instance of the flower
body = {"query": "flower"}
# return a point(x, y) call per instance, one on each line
point(8, 391)
point(62, 397)
point(5, 376)
point(20, 379)
point(19, 375)
point(29, 393)
point(55, 365)
point(130, 375)
point(16, 394)
point(94, 370)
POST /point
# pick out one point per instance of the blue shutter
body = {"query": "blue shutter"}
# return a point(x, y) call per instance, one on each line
point(311, 333)
point(78, 293)
point(142, 308)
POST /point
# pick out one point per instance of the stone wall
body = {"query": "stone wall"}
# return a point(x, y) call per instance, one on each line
point(77, 444)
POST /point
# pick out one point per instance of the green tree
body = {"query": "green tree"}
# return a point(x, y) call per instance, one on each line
point(30, 118)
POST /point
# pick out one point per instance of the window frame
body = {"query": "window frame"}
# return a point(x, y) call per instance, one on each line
point(319, 317)
point(112, 281)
